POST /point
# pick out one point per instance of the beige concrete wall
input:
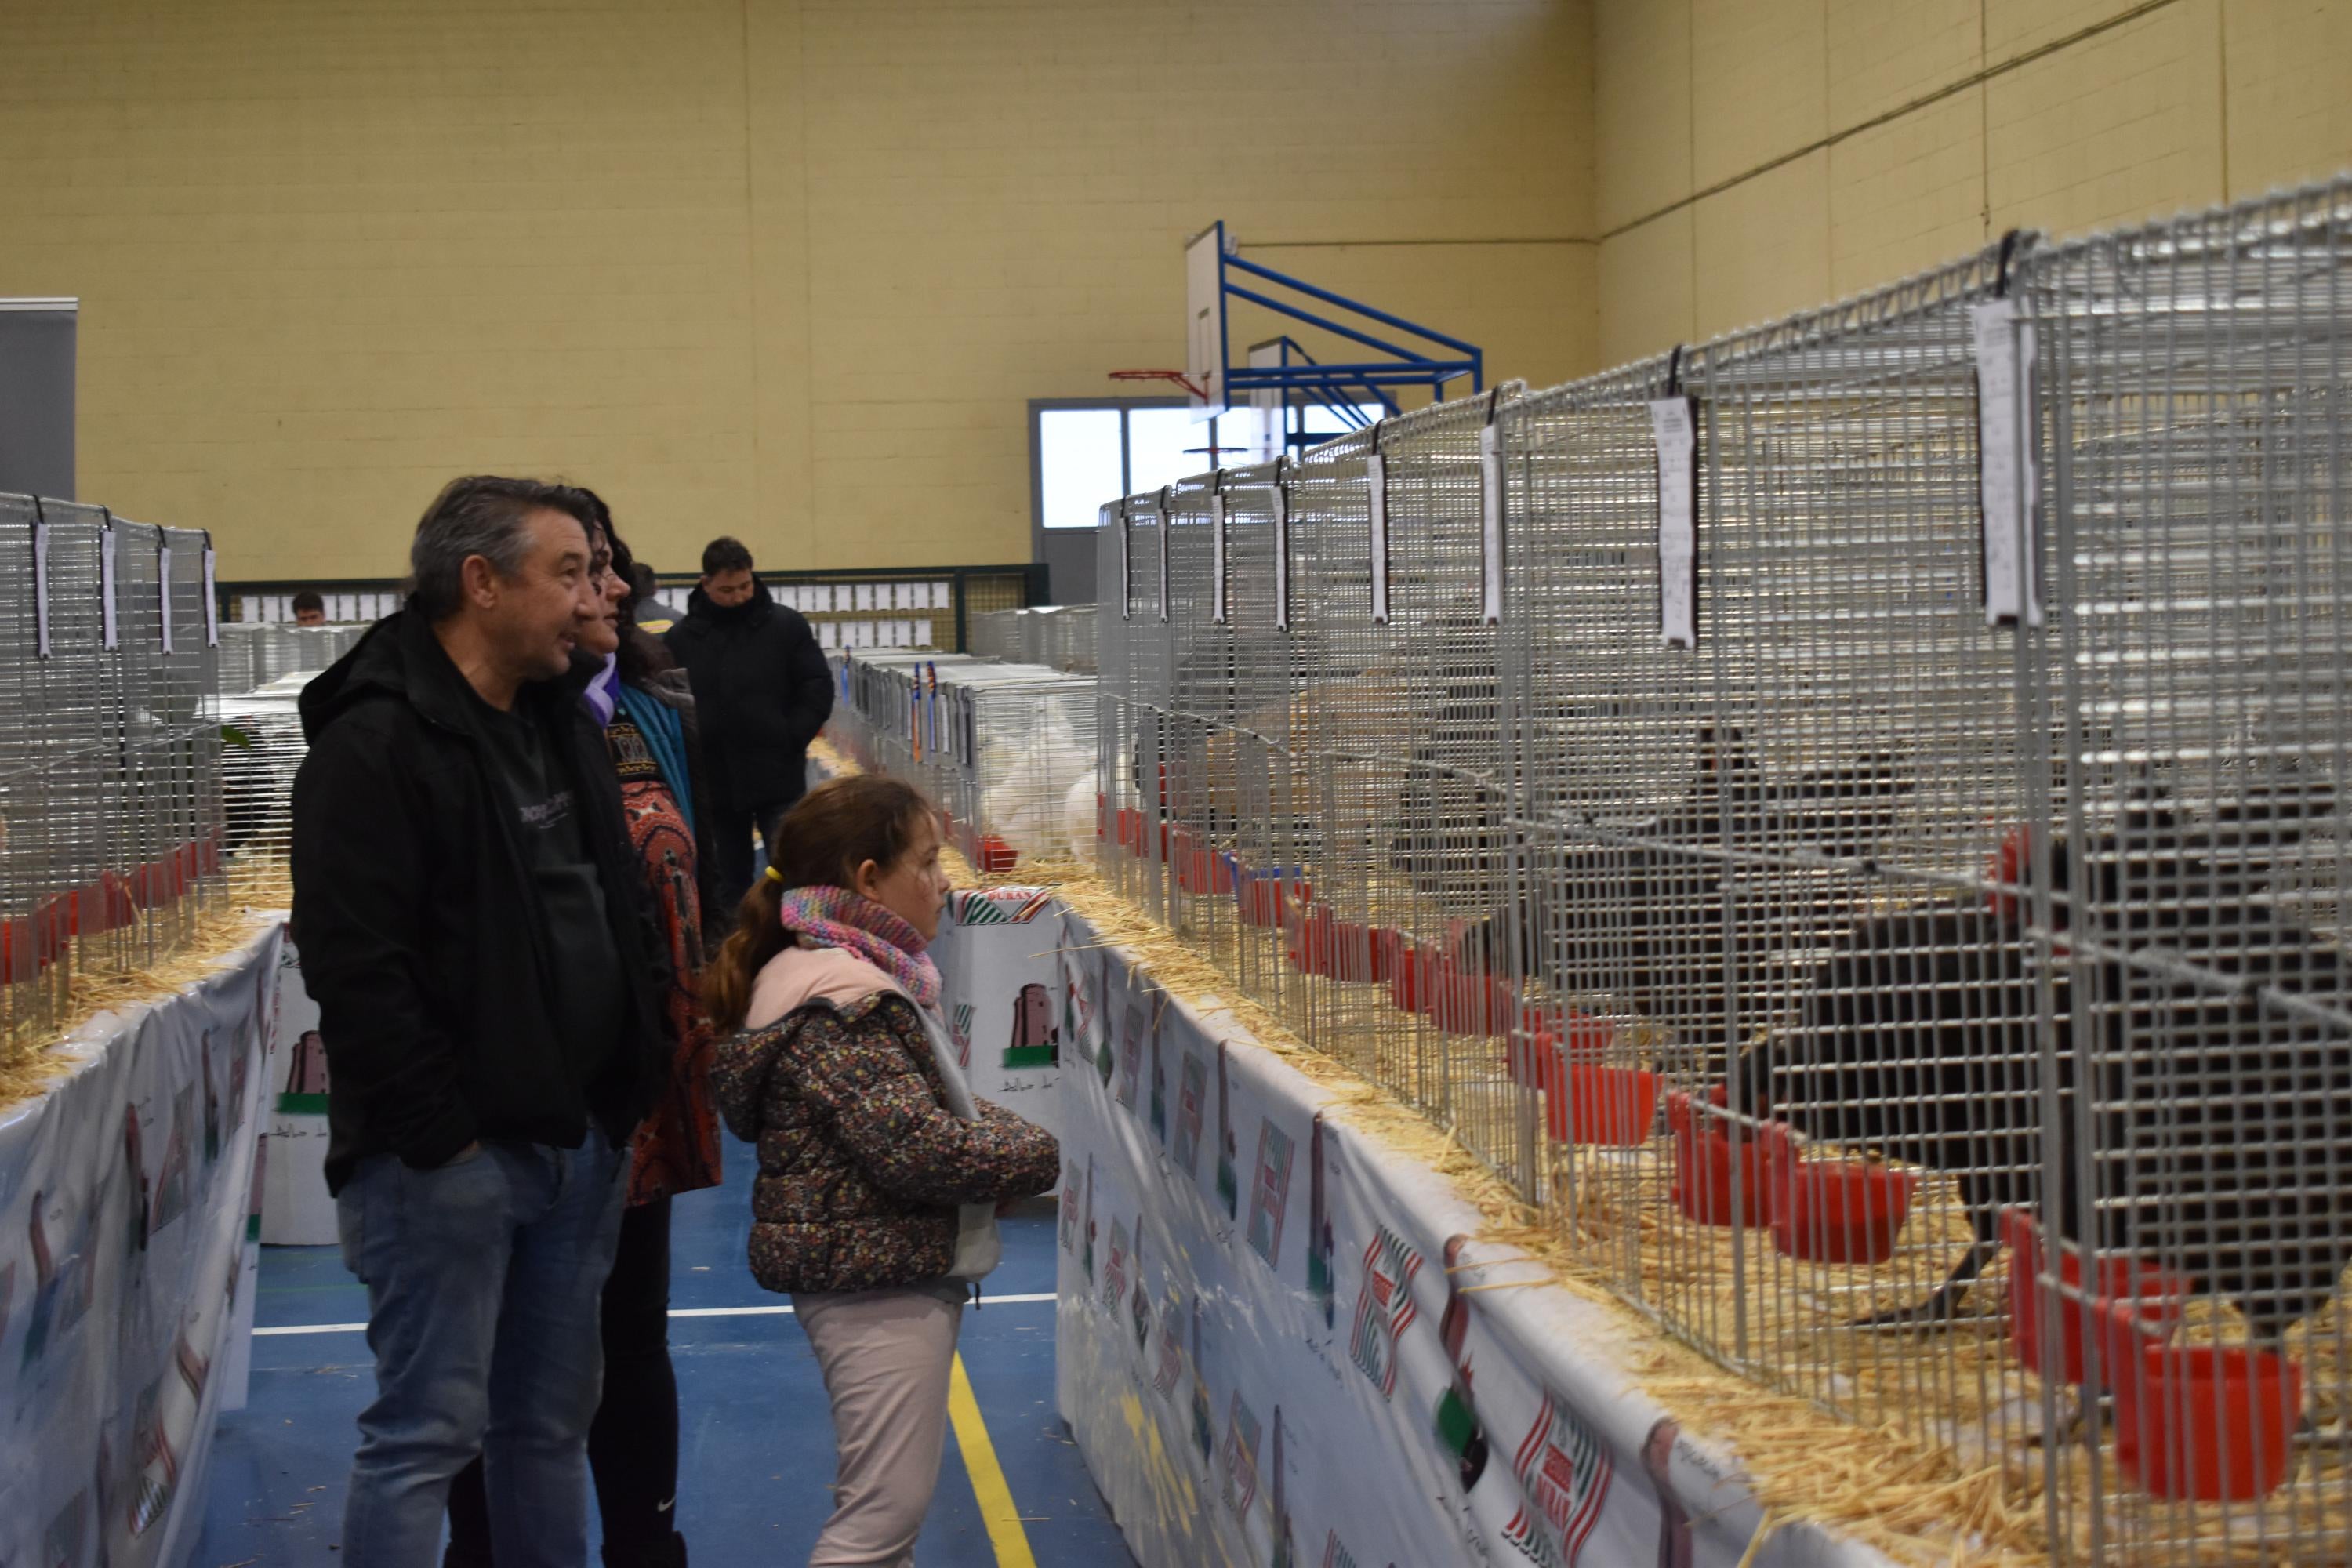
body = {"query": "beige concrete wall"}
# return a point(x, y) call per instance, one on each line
point(1760, 156)
point(789, 269)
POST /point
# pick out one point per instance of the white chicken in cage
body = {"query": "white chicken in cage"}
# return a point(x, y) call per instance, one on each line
point(1027, 769)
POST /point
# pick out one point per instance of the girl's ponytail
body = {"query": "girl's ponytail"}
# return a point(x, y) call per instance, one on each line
point(821, 842)
point(757, 937)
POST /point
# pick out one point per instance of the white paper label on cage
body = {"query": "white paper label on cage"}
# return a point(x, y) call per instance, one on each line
point(1126, 564)
point(943, 596)
point(212, 601)
point(1165, 529)
point(1490, 522)
point(1217, 560)
point(1376, 481)
point(2005, 475)
point(41, 589)
point(865, 592)
point(1677, 442)
point(1281, 559)
point(110, 628)
point(163, 590)
point(828, 634)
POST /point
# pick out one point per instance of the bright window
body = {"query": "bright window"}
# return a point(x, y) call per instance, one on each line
point(1081, 464)
point(1092, 454)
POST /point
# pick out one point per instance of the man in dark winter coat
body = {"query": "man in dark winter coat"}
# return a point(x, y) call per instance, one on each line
point(469, 918)
point(763, 691)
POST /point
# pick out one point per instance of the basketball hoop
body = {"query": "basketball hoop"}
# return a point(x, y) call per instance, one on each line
point(1192, 388)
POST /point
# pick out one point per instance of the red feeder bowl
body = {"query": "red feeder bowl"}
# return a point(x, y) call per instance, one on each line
point(1389, 949)
point(2127, 1285)
point(1703, 1165)
point(1259, 896)
point(1613, 1108)
point(2203, 1422)
point(1408, 974)
point(1577, 1036)
point(1131, 830)
point(1834, 1211)
point(1469, 1001)
point(1102, 816)
point(1313, 946)
point(1356, 953)
point(996, 855)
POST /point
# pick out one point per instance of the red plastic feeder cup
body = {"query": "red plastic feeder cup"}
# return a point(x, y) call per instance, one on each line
point(996, 856)
point(1131, 830)
point(1465, 1002)
point(1834, 1211)
point(2126, 1285)
point(1313, 945)
point(1260, 895)
point(1703, 1166)
point(1355, 953)
point(1614, 1108)
point(1410, 964)
point(2201, 1422)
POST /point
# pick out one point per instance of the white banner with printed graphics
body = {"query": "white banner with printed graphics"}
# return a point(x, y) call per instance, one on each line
point(1007, 1009)
point(128, 1213)
point(1273, 1347)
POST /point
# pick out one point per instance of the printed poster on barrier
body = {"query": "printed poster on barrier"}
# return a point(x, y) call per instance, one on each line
point(1287, 1347)
point(126, 1270)
point(297, 1210)
point(1007, 995)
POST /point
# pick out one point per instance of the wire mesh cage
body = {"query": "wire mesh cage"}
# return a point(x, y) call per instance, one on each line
point(1915, 981)
point(110, 809)
point(2196, 380)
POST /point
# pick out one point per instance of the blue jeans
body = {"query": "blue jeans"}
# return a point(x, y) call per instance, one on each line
point(483, 1280)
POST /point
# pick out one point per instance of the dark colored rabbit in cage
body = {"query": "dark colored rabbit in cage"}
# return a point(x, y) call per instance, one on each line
point(1917, 1037)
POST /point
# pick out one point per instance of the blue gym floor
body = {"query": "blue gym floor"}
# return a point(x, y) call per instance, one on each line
point(757, 1448)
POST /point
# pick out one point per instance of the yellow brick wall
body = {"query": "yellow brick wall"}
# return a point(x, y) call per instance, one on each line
point(789, 269)
point(1760, 156)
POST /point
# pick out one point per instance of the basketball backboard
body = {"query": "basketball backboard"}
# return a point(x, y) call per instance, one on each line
point(1204, 320)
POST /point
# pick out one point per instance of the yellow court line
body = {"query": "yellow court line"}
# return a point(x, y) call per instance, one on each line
point(996, 1510)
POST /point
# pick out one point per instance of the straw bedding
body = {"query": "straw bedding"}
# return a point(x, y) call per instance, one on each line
point(255, 898)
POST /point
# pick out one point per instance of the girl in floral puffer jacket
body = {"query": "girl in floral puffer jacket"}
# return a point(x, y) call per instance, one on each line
point(880, 1172)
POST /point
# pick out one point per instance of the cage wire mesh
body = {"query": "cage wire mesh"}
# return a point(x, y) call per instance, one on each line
point(2195, 380)
point(264, 667)
point(111, 807)
point(1938, 1018)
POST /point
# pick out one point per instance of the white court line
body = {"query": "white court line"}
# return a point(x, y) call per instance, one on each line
point(674, 1312)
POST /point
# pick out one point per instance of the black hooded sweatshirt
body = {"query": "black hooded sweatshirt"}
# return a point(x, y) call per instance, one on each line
point(763, 690)
point(424, 935)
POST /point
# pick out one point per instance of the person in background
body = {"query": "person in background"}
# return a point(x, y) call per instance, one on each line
point(641, 699)
point(655, 613)
point(472, 924)
point(764, 691)
point(880, 1174)
point(309, 608)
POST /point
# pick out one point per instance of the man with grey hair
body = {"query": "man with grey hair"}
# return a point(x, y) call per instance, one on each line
point(468, 914)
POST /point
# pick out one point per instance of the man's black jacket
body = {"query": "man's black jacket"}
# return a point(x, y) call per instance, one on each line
point(763, 690)
point(420, 929)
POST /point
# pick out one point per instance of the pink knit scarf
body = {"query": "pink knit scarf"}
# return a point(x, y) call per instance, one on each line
point(836, 917)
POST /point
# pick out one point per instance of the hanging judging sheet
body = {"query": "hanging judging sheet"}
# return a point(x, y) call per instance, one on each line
point(1277, 1343)
point(129, 1205)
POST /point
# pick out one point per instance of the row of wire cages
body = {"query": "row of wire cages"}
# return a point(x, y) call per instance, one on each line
point(263, 668)
point(1848, 818)
point(110, 804)
point(1006, 751)
point(1059, 637)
